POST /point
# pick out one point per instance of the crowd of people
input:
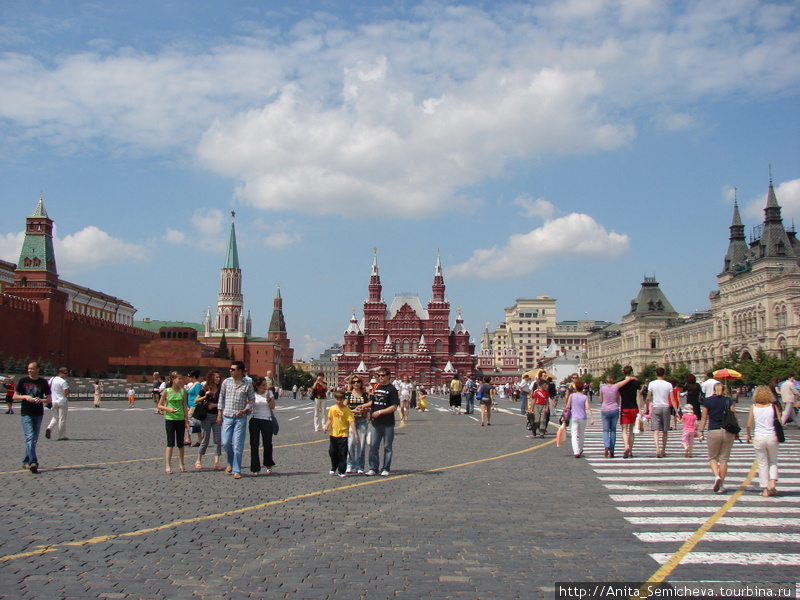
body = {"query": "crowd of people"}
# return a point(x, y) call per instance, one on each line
point(362, 418)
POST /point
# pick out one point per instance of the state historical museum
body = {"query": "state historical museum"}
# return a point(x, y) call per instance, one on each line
point(406, 337)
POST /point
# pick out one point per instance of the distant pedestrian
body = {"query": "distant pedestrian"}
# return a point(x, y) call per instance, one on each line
point(98, 392)
point(60, 392)
point(581, 409)
point(470, 387)
point(10, 388)
point(524, 388)
point(629, 410)
point(789, 395)
point(405, 390)
point(176, 420)
point(539, 401)
point(455, 395)
point(693, 391)
point(131, 397)
point(341, 423)
point(485, 396)
point(158, 388)
point(762, 417)
point(32, 392)
point(319, 394)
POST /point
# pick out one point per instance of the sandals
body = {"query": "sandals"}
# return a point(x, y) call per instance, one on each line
point(168, 471)
point(198, 465)
point(183, 469)
point(218, 467)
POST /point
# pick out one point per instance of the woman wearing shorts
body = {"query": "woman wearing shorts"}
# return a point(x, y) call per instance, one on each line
point(718, 440)
point(629, 409)
point(176, 419)
point(486, 392)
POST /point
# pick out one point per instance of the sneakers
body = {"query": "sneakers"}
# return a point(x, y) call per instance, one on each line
point(360, 471)
point(384, 473)
point(48, 432)
point(331, 472)
point(370, 473)
point(717, 485)
point(342, 475)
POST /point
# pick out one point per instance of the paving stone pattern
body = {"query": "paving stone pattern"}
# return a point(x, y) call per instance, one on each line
point(103, 520)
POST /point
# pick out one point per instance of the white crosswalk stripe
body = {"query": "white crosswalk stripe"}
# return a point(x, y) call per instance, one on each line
point(668, 499)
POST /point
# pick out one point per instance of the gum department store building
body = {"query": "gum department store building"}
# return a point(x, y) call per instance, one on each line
point(757, 306)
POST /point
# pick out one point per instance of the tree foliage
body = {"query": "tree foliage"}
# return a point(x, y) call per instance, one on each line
point(291, 376)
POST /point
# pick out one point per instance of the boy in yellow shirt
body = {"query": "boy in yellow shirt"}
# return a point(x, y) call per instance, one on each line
point(340, 419)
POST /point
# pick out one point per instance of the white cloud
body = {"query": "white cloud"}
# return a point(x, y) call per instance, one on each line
point(398, 117)
point(91, 248)
point(575, 236)
point(311, 347)
point(10, 246)
point(535, 208)
point(282, 239)
point(208, 221)
point(788, 196)
point(175, 237)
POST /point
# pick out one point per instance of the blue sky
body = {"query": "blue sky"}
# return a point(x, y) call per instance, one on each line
point(563, 148)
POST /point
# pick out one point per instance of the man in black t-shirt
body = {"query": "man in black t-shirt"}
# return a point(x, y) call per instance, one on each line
point(382, 408)
point(32, 392)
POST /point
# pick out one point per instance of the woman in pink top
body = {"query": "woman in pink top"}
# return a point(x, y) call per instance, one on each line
point(579, 404)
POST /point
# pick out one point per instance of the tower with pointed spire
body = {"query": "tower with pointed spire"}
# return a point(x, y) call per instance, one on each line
point(230, 302)
point(409, 338)
point(37, 259)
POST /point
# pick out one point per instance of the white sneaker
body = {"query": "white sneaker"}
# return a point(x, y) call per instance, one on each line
point(360, 471)
point(384, 473)
point(348, 470)
point(331, 472)
point(370, 473)
point(342, 475)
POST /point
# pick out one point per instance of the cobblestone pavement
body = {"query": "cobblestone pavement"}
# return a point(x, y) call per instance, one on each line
point(469, 512)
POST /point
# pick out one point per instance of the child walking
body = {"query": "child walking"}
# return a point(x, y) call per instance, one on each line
point(340, 420)
point(689, 420)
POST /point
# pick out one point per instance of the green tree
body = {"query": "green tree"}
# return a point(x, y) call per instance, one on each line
point(680, 373)
point(614, 371)
point(222, 350)
point(291, 376)
point(649, 372)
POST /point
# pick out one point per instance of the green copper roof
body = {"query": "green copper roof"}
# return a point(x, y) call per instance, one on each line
point(232, 257)
point(40, 211)
point(37, 252)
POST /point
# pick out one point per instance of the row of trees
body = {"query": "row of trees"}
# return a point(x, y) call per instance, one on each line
point(755, 371)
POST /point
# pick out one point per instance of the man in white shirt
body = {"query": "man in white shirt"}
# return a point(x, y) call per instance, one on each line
point(59, 389)
point(524, 388)
point(708, 385)
point(658, 393)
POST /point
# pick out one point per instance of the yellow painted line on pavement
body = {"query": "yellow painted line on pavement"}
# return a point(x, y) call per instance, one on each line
point(657, 578)
point(136, 460)
point(38, 550)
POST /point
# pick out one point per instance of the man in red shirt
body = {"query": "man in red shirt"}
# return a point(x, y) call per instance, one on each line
point(538, 405)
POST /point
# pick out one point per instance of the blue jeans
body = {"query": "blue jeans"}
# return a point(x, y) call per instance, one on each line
point(31, 424)
point(470, 401)
point(233, 433)
point(610, 420)
point(523, 403)
point(356, 450)
point(378, 433)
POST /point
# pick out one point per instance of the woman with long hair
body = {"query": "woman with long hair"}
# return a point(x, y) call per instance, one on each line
point(765, 440)
point(209, 395)
point(692, 389)
point(260, 426)
point(176, 419)
point(357, 397)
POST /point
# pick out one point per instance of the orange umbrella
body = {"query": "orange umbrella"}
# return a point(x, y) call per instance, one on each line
point(727, 374)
